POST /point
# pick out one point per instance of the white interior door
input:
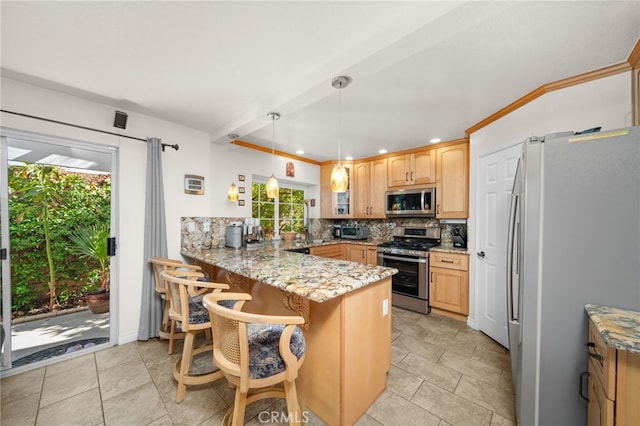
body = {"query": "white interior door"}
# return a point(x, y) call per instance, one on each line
point(495, 181)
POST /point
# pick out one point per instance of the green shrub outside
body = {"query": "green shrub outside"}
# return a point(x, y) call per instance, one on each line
point(81, 200)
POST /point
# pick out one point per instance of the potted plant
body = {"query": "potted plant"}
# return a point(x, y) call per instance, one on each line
point(91, 242)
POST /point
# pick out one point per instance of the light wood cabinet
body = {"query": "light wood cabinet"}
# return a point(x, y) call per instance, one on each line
point(449, 284)
point(361, 253)
point(452, 182)
point(370, 184)
point(333, 251)
point(417, 168)
point(614, 384)
point(335, 205)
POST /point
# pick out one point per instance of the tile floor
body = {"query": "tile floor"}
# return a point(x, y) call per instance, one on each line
point(443, 373)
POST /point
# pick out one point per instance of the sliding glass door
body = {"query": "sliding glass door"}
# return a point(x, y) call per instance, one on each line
point(57, 205)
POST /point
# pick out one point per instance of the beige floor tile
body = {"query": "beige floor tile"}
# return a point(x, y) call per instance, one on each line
point(123, 377)
point(432, 372)
point(444, 423)
point(479, 338)
point(498, 420)
point(452, 408)
point(200, 403)
point(67, 383)
point(166, 421)
point(472, 367)
point(154, 351)
point(490, 397)
point(216, 419)
point(20, 411)
point(397, 354)
point(421, 348)
point(506, 381)
point(71, 364)
point(20, 385)
point(117, 355)
point(365, 420)
point(502, 360)
point(82, 409)
point(392, 410)
point(138, 406)
point(450, 343)
point(402, 383)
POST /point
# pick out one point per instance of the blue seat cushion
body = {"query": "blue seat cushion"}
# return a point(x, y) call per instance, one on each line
point(198, 314)
point(264, 353)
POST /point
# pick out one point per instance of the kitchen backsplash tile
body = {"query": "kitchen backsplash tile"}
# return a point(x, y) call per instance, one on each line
point(380, 229)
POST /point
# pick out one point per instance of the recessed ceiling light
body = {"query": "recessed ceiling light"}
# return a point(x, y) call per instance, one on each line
point(382, 151)
point(435, 140)
point(348, 158)
point(299, 152)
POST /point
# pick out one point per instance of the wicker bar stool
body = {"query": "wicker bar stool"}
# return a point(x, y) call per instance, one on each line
point(159, 264)
point(256, 352)
point(188, 311)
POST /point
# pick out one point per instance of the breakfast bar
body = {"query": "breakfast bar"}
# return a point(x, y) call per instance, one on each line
point(347, 312)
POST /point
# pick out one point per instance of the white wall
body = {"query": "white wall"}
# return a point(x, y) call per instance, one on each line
point(604, 102)
point(227, 162)
point(190, 159)
point(217, 163)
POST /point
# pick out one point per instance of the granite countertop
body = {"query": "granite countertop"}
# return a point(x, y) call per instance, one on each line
point(619, 328)
point(445, 249)
point(315, 278)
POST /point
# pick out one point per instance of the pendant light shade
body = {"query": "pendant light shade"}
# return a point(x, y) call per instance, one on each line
point(232, 193)
point(339, 178)
point(273, 191)
point(339, 175)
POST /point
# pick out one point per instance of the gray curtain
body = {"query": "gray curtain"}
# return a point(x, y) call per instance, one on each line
point(155, 241)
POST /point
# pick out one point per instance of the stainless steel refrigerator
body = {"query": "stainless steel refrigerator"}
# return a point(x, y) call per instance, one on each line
point(574, 238)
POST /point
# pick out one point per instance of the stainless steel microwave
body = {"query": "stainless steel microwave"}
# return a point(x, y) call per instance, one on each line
point(413, 202)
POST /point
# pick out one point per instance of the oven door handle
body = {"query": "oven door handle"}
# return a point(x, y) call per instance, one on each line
point(405, 259)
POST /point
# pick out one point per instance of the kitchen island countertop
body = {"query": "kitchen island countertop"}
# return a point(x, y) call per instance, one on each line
point(619, 328)
point(314, 278)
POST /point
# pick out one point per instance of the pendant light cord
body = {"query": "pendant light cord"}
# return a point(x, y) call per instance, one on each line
point(339, 123)
point(273, 143)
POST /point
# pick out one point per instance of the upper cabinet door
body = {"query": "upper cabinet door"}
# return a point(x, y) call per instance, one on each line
point(398, 170)
point(452, 182)
point(418, 168)
point(424, 167)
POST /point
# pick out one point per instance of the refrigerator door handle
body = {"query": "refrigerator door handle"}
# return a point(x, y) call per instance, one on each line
point(513, 274)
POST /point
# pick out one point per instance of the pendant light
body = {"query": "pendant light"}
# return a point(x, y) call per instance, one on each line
point(339, 176)
point(232, 193)
point(272, 183)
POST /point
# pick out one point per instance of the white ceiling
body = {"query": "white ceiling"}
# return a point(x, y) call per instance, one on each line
point(420, 69)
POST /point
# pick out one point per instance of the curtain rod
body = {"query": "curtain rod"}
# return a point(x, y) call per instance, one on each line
point(176, 147)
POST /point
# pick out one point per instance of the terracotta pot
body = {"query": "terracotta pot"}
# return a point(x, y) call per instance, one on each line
point(288, 236)
point(98, 302)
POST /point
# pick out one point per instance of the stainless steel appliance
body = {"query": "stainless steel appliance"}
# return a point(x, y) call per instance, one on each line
point(337, 231)
point(355, 232)
point(408, 252)
point(233, 236)
point(573, 239)
point(413, 202)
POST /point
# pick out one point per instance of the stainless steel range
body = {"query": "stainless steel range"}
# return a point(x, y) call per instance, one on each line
point(408, 253)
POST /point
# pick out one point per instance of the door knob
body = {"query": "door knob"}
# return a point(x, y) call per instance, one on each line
point(480, 253)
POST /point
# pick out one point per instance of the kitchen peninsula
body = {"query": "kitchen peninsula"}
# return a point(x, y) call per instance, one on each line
point(347, 312)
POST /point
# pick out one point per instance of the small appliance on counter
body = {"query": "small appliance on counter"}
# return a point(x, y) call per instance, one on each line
point(355, 232)
point(459, 237)
point(233, 236)
point(337, 231)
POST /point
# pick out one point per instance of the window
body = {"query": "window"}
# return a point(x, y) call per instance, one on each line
point(290, 208)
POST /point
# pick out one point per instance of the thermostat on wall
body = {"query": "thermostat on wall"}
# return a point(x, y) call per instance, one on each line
point(193, 184)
